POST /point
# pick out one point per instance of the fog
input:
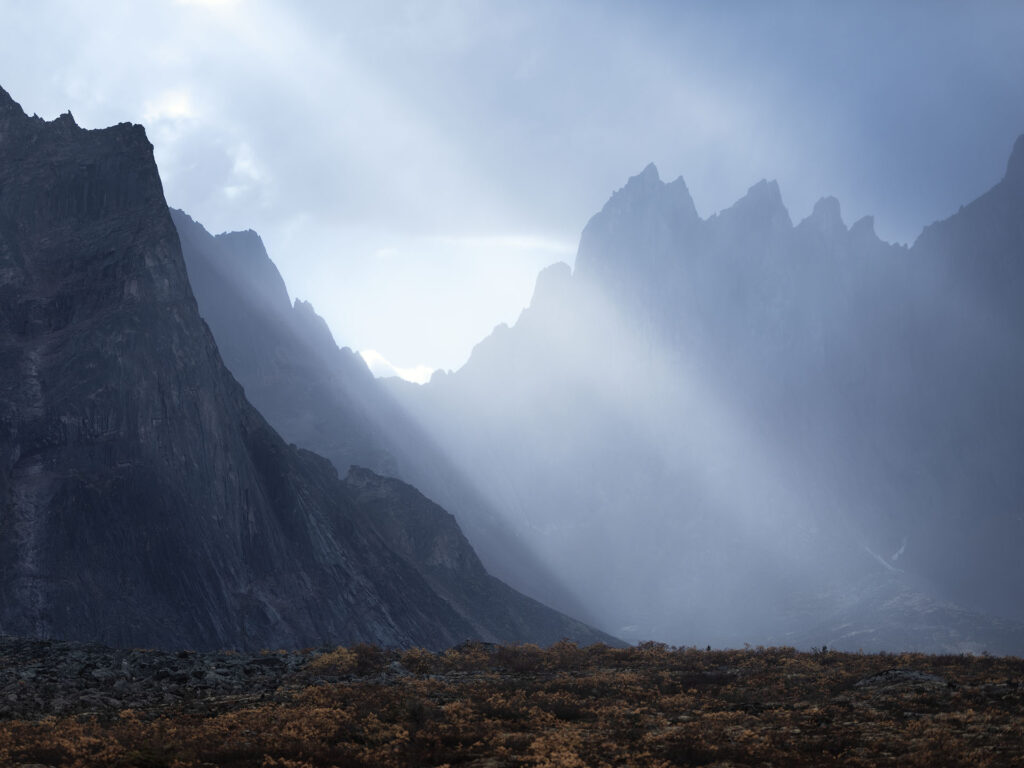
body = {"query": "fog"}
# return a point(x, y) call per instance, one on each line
point(324, 398)
point(660, 505)
point(734, 429)
point(711, 431)
point(714, 425)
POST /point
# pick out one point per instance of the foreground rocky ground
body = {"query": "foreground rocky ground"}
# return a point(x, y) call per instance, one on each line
point(73, 705)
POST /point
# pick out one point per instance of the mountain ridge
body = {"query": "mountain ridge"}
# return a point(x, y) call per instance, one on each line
point(323, 397)
point(843, 390)
point(143, 500)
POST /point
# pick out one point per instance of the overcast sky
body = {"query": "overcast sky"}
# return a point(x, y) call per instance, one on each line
point(412, 165)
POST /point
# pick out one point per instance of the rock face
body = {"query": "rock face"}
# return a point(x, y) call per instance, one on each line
point(324, 398)
point(724, 430)
point(429, 538)
point(282, 354)
point(143, 500)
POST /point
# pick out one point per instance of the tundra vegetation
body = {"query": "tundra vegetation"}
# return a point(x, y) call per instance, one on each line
point(484, 705)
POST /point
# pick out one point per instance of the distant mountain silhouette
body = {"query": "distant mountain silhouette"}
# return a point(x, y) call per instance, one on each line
point(730, 429)
point(143, 500)
point(324, 398)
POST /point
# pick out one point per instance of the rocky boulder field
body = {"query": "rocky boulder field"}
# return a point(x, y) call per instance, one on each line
point(40, 679)
point(477, 704)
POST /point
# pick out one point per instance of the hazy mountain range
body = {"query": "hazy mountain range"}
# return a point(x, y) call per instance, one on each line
point(738, 429)
point(711, 431)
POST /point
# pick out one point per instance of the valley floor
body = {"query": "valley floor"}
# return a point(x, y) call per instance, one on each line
point(73, 705)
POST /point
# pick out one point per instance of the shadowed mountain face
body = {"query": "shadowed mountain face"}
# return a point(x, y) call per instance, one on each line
point(324, 398)
point(740, 430)
point(143, 500)
point(283, 354)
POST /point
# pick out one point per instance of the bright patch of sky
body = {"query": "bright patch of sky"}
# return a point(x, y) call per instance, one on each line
point(383, 368)
point(412, 165)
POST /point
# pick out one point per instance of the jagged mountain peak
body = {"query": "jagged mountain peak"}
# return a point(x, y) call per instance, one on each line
point(864, 228)
point(680, 184)
point(1015, 165)
point(765, 191)
point(9, 106)
point(827, 211)
point(648, 184)
point(551, 283)
point(761, 206)
point(249, 237)
point(306, 307)
point(313, 327)
point(264, 278)
point(826, 220)
point(14, 121)
point(242, 252)
point(648, 174)
point(681, 199)
point(640, 187)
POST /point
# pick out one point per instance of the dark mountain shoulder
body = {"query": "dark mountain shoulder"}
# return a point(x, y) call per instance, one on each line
point(324, 398)
point(430, 539)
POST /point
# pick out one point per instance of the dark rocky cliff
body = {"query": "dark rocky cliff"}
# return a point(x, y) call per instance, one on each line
point(143, 500)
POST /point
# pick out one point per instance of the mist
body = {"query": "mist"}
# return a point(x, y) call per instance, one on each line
point(740, 430)
point(722, 430)
point(788, 419)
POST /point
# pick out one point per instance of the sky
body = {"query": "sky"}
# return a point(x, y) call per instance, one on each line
point(411, 166)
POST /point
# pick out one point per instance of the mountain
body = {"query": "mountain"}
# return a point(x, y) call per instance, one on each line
point(323, 397)
point(730, 429)
point(143, 500)
point(244, 301)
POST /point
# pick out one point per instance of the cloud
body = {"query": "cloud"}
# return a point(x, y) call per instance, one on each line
point(247, 174)
point(382, 368)
point(170, 105)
